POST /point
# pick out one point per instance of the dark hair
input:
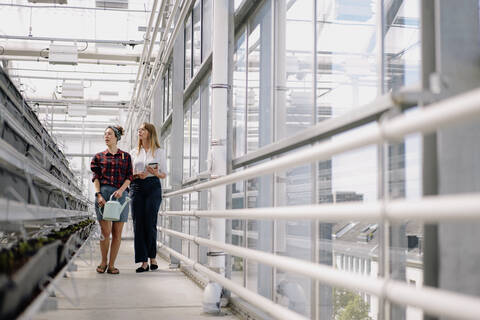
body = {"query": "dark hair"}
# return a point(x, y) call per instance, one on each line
point(117, 130)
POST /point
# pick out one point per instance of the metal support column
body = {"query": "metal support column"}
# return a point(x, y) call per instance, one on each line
point(218, 147)
point(176, 173)
point(429, 147)
point(458, 70)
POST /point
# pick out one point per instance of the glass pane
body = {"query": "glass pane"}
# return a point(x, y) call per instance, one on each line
point(346, 70)
point(205, 123)
point(186, 225)
point(238, 232)
point(186, 144)
point(237, 3)
point(197, 38)
point(293, 238)
point(350, 245)
point(294, 107)
point(259, 114)
point(168, 151)
point(170, 93)
point(239, 96)
point(351, 305)
point(402, 45)
point(193, 227)
point(188, 49)
point(165, 97)
point(195, 141)
point(260, 235)
point(207, 28)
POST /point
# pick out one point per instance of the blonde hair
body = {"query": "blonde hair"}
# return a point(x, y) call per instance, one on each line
point(154, 144)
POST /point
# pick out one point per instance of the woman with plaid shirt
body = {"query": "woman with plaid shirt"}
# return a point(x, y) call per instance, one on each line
point(112, 174)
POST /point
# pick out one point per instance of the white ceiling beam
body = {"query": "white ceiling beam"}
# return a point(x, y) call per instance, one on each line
point(37, 58)
point(71, 7)
point(90, 112)
point(88, 126)
point(68, 71)
point(72, 79)
point(81, 55)
point(89, 103)
point(122, 42)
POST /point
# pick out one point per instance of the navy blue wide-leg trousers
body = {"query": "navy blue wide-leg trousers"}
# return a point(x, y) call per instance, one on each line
point(146, 198)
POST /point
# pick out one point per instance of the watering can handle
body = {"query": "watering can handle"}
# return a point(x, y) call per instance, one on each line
point(111, 197)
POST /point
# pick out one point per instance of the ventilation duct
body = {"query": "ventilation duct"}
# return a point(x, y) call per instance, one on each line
point(63, 54)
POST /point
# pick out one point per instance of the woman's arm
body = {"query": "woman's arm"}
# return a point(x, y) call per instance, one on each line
point(160, 170)
point(118, 193)
point(162, 163)
point(98, 196)
point(128, 177)
point(96, 169)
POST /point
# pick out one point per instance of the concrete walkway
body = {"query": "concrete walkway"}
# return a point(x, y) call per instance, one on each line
point(161, 294)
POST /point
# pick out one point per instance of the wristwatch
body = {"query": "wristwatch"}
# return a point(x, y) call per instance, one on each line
point(97, 193)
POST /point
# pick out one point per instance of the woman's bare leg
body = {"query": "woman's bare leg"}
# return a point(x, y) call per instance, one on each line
point(106, 228)
point(116, 240)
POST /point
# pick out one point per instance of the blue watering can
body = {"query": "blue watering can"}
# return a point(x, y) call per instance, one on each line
point(113, 209)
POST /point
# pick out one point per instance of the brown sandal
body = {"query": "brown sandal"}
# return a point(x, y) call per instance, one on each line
point(101, 269)
point(113, 270)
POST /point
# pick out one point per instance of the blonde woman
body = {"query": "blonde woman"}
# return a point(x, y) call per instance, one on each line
point(112, 174)
point(149, 166)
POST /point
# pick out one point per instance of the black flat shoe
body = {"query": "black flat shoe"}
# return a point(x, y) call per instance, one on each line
point(140, 269)
point(153, 266)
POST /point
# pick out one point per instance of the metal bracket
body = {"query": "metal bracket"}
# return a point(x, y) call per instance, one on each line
point(217, 142)
point(215, 253)
point(220, 86)
point(281, 88)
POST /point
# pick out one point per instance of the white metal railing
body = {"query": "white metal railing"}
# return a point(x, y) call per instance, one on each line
point(255, 299)
point(431, 300)
point(424, 121)
point(428, 209)
point(433, 209)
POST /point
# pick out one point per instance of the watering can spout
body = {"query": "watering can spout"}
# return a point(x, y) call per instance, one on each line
point(127, 200)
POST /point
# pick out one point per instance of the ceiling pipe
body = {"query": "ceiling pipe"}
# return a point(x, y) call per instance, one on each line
point(81, 55)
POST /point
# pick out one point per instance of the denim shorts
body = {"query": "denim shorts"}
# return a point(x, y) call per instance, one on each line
point(107, 191)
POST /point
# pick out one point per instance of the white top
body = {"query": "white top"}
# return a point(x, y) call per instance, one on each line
point(142, 159)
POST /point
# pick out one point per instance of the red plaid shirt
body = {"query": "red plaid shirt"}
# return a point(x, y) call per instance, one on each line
point(112, 169)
